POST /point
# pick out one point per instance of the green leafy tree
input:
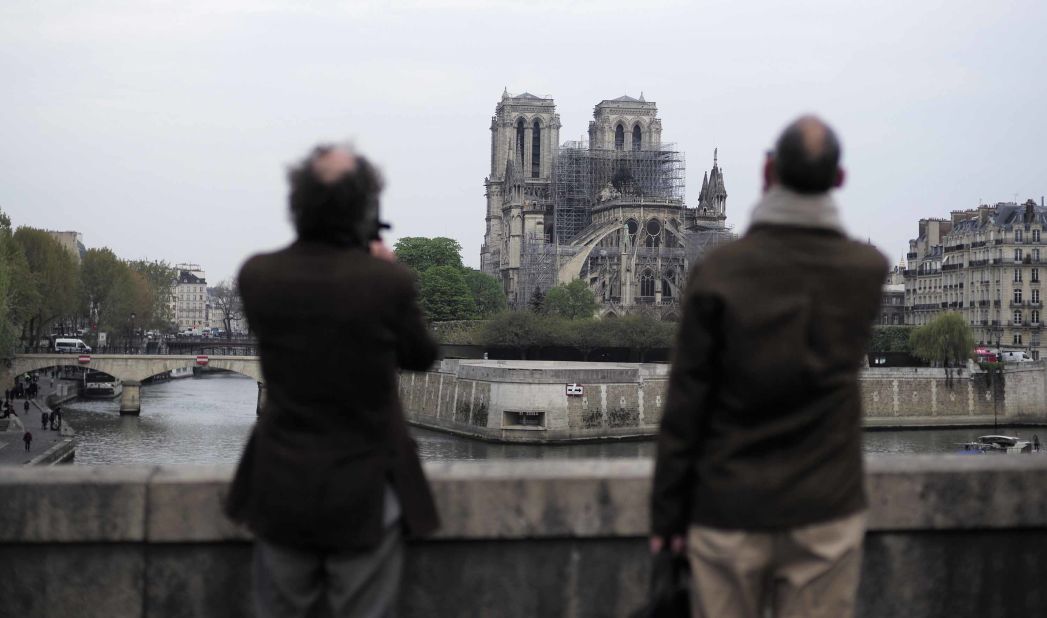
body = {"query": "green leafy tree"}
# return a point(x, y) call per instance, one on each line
point(643, 333)
point(55, 278)
point(422, 254)
point(520, 330)
point(946, 340)
point(160, 277)
point(890, 339)
point(17, 293)
point(573, 300)
point(589, 334)
point(444, 294)
point(488, 297)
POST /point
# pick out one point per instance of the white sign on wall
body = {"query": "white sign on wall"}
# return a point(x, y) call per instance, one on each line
point(575, 390)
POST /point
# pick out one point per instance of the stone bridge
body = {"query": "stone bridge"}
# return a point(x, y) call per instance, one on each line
point(133, 368)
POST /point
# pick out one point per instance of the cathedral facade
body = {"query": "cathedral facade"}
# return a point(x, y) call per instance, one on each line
point(609, 211)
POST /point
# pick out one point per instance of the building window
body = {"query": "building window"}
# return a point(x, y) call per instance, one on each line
point(1036, 255)
point(1017, 275)
point(519, 141)
point(637, 134)
point(647, 283)
point(619, 138)
point(1035, 296)
point(1036, 235)
point(1017, 235)
point(1017, 339)
point(536, 150)
point(1035, 317)
point(1017, 296)
point(1017, 318)
point(1035, 275)
point(1017, 255)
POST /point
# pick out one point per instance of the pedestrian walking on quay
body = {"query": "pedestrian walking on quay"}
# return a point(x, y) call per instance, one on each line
point(758, 474)
point(26, 407)
point(45, 418)
point(330, 484)
point(27, 437)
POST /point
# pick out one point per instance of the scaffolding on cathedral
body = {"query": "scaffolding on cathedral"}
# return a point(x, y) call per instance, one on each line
point(581, 174)
point(699, 242)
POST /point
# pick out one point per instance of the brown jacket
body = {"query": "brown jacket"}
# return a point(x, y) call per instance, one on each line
point(333, 325)
point(762, 423)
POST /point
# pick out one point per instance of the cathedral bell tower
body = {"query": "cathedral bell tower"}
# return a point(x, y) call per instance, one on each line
point(525, 134)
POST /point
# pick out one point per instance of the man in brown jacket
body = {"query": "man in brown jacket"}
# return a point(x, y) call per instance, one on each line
point(759, 465)
point(330, 479)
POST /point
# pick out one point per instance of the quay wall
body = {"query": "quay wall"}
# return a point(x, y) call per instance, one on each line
point(948, 536)
point(527, 401)
point(487, 399)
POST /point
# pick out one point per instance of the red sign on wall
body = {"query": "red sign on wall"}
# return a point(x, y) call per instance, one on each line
point(84, 358)
point(201, 360)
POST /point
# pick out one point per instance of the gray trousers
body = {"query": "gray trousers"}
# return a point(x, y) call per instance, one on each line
point(295, 583)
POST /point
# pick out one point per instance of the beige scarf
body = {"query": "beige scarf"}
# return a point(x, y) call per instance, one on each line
point(782, 206)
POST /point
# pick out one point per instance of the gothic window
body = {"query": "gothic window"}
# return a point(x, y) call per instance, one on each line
point(619, 138)
point(536, 150)
point(667, 288)
point(654, 229)
point(636, 137)
point(519, 141)
point(647, 283)
point(631, 225)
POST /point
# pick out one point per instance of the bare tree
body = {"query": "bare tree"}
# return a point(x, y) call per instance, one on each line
point(226, 298)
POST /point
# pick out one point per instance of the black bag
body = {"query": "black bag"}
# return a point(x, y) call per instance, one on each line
point(669, 592)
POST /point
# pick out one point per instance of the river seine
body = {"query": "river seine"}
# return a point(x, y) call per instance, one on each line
point(206, 419)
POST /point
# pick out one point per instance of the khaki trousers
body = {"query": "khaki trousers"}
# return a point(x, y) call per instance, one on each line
point(806, 572)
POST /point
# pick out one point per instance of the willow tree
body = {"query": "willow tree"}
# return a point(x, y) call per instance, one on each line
point(946, 340)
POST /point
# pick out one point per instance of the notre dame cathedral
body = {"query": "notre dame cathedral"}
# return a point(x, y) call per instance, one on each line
point(609, 211)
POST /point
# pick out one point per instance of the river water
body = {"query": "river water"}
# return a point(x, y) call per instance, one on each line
point(207, 419)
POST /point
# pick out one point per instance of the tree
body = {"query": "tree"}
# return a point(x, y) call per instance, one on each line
point(520, 330)
point(55, 279)
point(890, 339)
point(444, 294)
point(226, 297)
point(160, 277)
point(947, 339)
point(422, 254)
point(643, 333)
point(573, 300)
point(488, 297)
point(17, 294)
point(537, 302)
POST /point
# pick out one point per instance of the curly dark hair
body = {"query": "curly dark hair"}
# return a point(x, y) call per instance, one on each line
point(343, 212)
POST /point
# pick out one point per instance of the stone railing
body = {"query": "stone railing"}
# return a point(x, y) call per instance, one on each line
point(948, 536)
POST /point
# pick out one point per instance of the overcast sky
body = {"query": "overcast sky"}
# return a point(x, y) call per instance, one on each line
point(162, 129)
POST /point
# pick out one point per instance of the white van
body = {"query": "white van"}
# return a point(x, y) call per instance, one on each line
point(71, 346)
point(1015, 357)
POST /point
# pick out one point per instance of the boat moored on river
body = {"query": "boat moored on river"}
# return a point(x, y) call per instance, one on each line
point(998, 444)
point(100, 386)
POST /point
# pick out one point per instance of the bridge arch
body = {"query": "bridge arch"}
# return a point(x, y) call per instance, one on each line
point(131, 369)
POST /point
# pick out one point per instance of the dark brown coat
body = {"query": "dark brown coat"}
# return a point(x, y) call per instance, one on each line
point(762, 423)
point(334, 325)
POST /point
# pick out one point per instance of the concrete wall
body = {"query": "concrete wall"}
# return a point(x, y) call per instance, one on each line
point(910, 396)
point(949, 536)
point(483, 398)
point(624, 400)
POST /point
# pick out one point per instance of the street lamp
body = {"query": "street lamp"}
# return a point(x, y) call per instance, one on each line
point(132, 331)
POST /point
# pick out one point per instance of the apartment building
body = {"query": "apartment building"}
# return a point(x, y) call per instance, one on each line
point(985, 263)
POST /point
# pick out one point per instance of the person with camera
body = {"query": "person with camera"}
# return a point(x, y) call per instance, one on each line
point(330, 481)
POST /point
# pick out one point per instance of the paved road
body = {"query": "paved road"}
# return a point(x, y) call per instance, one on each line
point(12, 447)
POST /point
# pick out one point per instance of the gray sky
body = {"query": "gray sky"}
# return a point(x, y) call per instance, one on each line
point(162, 129)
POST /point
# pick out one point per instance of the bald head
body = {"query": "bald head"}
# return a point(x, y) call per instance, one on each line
point(807, 157)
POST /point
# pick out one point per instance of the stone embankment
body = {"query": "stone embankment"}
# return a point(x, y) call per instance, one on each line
point(549, 402)
point(948, 536)
point(49, 446)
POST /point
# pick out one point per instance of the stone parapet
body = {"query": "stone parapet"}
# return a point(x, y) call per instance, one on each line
point(948, 535)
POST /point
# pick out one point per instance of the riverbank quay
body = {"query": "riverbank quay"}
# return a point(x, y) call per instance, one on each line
point(948, 536)
point(552, 402)
point(49, 446)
